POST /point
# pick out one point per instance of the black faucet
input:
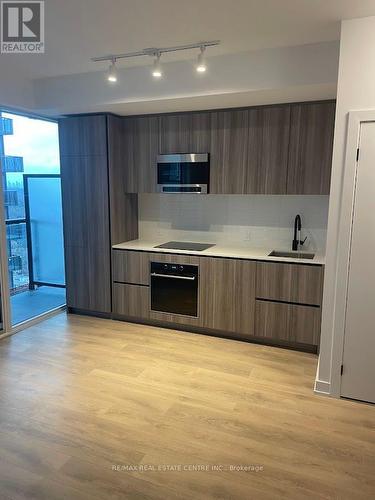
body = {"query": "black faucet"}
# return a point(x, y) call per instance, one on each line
point(297, 233)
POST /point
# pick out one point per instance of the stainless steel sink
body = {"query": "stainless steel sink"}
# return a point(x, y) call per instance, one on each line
point(293, 255)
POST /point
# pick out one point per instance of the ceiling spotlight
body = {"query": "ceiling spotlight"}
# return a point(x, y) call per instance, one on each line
point(156, 70)
point(112, 72)
point(201, 64)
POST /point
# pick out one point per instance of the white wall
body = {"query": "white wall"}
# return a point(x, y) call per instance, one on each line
point(257, 220)
point(16, 91)
point(356, 91)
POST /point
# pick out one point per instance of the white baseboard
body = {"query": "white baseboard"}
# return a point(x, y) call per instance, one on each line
point(322, 387)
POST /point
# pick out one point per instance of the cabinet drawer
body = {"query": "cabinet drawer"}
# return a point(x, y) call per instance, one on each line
point(287, 322)
point(131, 300)
point(289, 282)
point(130, 267)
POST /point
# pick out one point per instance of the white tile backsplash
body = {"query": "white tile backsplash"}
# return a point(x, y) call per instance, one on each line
point(260, 220)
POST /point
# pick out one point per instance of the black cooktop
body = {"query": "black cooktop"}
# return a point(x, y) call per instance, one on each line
point(185, 245)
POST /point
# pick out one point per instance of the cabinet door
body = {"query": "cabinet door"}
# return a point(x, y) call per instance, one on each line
point(87, 284)
point(311, 143)
point(287, 322)
point(200, 140)
point(184, 133)
point(86, 232)
point(271, 173)
point(228, 295)
point(139, 149)
point(229, 151)
point(249, 150)
point(131, 300)
point(83, 135)
point(175, 133)
point(146, 148)
point(123, 205)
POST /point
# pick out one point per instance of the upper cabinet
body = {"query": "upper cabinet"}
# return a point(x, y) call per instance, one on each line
point(139, 148)
point(249, 150)
point(229, 141)
point(83, 135)
point(184, 133)
point(310, 150)
point(278, 149)
point(270, 131)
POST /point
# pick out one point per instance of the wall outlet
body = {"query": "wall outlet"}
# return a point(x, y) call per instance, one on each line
point(247, 236)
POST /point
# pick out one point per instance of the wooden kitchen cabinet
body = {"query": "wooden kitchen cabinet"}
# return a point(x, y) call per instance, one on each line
point(299, 283)
point(131, 267)
point(83, 135)
point(274, 302)
point(139, 149)
point(184, 133)
point(97, 212)
point(271, 172)
point(229, 151)
point(228, 295)
point(310, 150)
point(131, 300)
point(84, 184)
point(290, 323)
point(278, 149)
point(249, 150)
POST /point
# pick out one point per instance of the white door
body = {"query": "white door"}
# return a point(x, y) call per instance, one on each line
point(358, 379)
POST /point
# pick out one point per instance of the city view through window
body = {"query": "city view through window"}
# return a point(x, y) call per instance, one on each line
point(29, 155)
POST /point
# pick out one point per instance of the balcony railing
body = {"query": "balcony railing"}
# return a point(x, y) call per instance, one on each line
point(18, 259)
point(6, 126)
point(11, 163)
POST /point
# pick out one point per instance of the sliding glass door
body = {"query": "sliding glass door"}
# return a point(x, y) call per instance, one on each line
point(32, 217)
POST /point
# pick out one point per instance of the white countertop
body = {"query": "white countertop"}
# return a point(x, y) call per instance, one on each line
point(238, 251)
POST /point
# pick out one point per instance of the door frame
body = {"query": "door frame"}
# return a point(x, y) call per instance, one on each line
point(356, 118)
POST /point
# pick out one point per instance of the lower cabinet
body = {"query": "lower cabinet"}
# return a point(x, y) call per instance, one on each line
point(228, 295)
point(131, 300)
point(287, 322)
point(275, 302)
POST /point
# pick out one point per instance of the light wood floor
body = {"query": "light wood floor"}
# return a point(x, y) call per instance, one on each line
point(80, 395)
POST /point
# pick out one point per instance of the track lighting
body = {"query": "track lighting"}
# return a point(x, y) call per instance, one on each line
point(154, 52)
point(156, 70)
point(112, 72)
point(201, 64)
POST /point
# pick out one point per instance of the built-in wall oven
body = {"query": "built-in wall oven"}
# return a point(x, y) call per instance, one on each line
point(183, 173)
point(174, 288)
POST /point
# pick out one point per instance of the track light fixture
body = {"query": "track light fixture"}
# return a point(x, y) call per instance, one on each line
point(156, 54)
point(112, 72)
point(201, 64)
point(157, 72)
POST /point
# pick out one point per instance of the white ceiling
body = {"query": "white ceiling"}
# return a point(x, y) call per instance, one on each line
point(77, 30)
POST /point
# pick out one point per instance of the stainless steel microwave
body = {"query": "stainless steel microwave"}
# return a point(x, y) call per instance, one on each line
point(183, 173)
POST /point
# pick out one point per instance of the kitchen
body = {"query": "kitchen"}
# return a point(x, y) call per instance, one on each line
point(221, 187)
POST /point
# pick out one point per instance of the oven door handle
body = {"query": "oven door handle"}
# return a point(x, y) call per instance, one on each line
point(173, 276)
